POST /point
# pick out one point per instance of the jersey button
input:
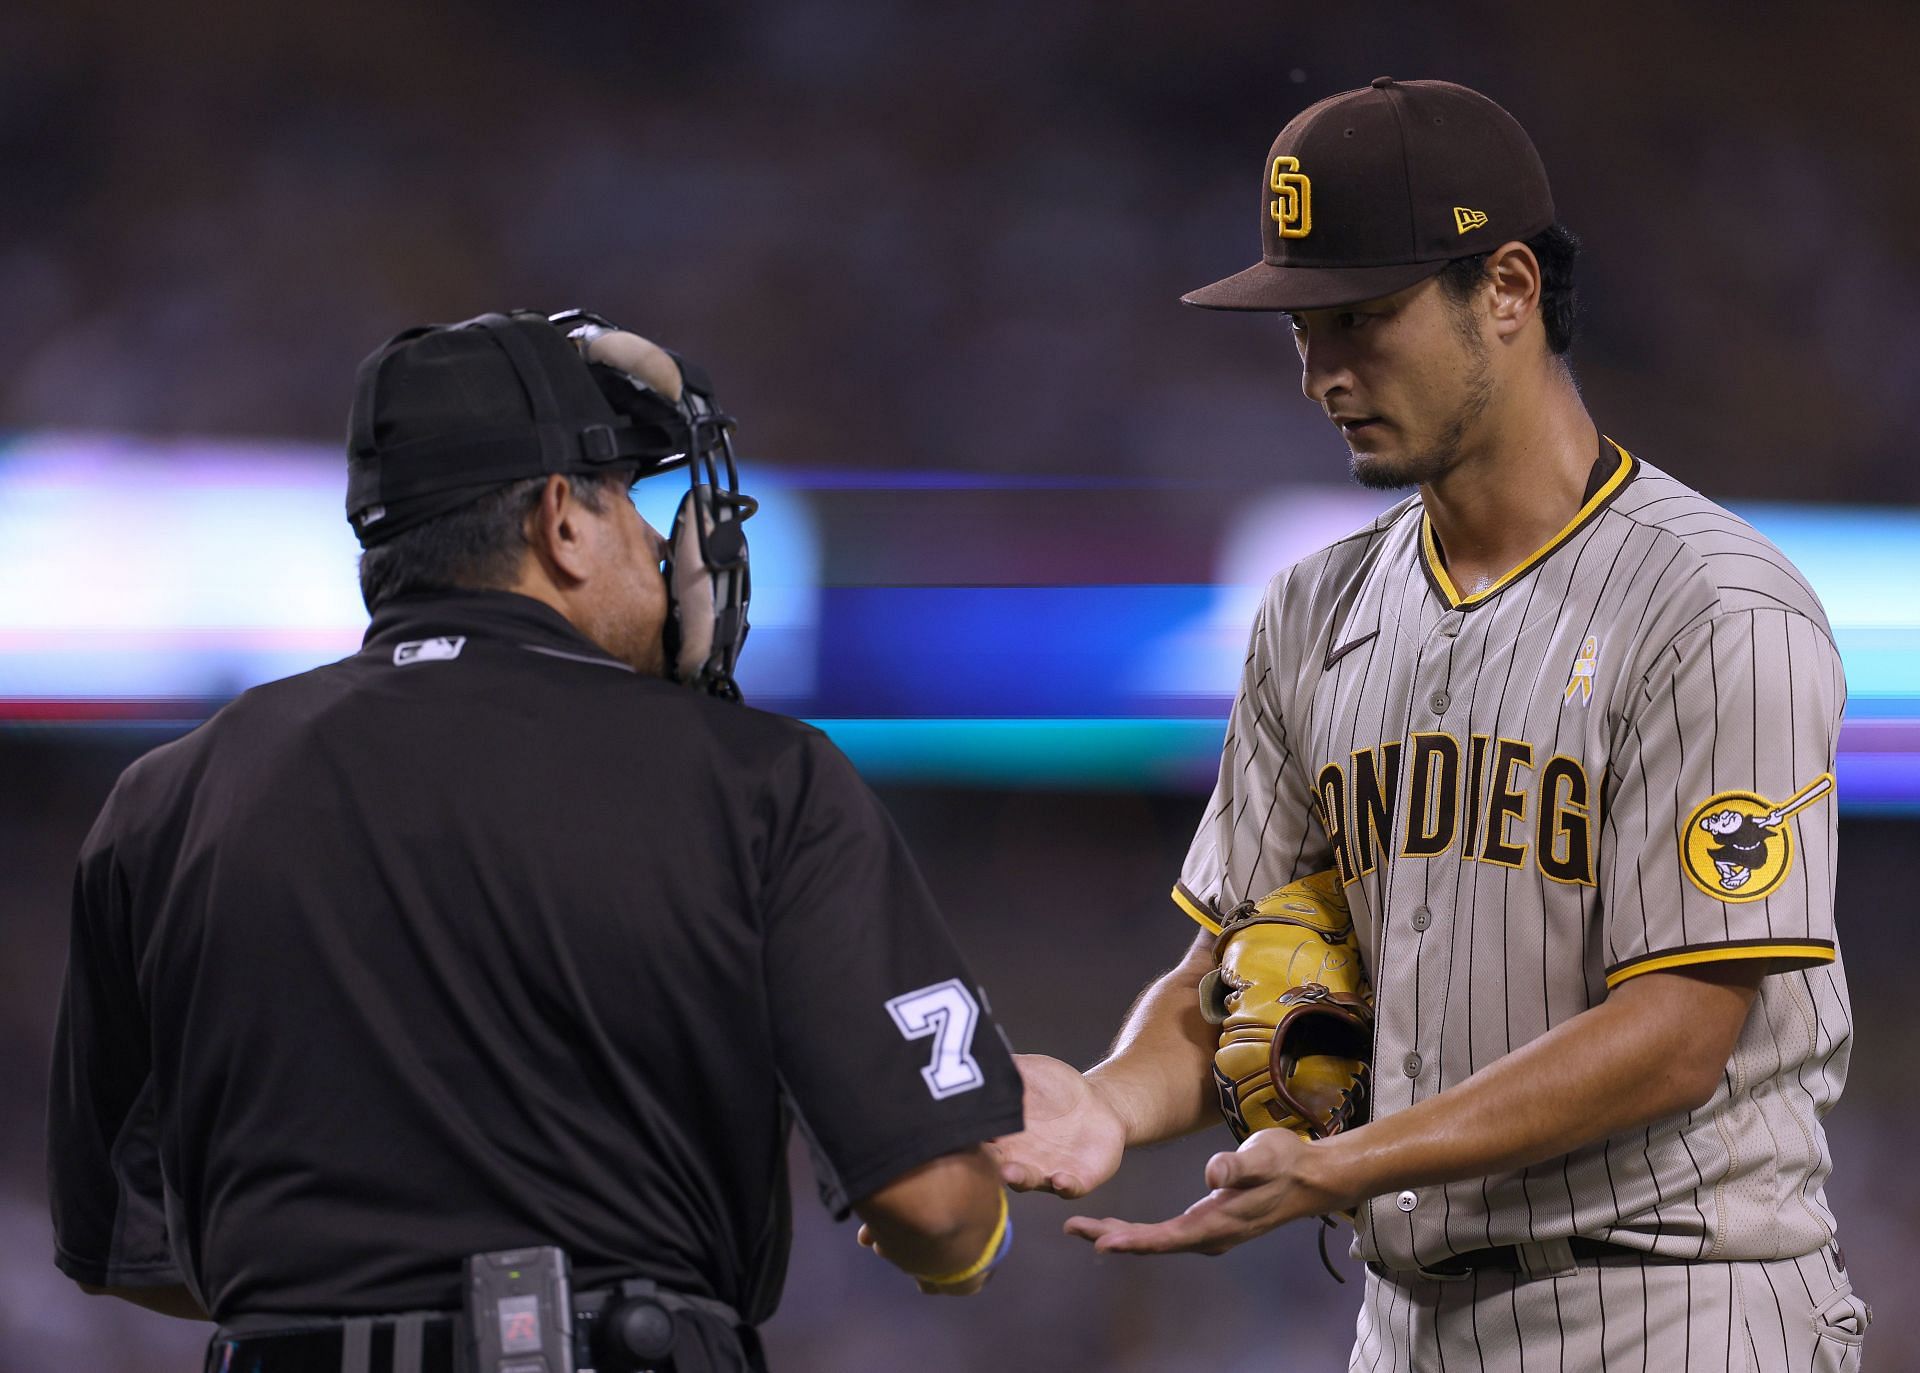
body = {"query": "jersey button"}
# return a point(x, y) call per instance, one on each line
point(1422, 917)
point(1411, 1065)
point(1450, 624)
point(1406, 1201)
point(1440, 701)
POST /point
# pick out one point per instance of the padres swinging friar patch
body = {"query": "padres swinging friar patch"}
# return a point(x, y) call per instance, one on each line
point(1738, 847)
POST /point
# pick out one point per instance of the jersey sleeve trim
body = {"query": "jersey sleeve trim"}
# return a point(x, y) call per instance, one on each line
point(1195, 908)
point(1788, 955)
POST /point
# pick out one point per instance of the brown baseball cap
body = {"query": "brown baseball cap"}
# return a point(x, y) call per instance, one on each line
point(1370, 191)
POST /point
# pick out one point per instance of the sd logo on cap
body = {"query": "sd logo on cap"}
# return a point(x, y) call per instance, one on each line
point(1372, 190)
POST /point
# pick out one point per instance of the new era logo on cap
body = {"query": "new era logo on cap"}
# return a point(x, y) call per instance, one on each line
point(1465, 220)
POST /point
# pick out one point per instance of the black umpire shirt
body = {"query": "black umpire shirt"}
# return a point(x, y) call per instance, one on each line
point(479, 939)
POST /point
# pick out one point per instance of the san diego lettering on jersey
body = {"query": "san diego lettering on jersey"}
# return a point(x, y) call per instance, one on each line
point(1485, 799)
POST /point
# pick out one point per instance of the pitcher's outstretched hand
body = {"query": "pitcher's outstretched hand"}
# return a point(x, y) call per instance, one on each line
point(1273, 1178)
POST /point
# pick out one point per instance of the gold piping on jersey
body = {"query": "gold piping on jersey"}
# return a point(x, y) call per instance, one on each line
point(1805, 953)
point(1187, 902)
point(1436, 570)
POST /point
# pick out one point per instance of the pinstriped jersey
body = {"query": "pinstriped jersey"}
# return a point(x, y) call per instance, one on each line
point(1616, 759)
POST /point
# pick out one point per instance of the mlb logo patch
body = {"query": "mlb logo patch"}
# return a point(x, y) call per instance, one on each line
point(437, 650)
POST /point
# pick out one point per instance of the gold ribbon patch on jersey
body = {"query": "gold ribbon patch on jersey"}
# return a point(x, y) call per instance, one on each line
point(1737, 846)
point(1580, 683)
point(1292, 206)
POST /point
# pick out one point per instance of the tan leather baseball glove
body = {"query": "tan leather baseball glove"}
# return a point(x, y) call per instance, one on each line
point(1295, 1013)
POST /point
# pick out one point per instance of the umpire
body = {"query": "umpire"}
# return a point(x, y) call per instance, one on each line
point(513, 933)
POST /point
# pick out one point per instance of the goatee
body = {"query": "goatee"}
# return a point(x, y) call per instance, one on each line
point(1443, 454)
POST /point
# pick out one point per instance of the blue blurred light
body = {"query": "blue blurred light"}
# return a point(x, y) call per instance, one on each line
point(138, 574)
point(1052, 753)
point(1000, 651)
point(141, 568)
point(1878, 783)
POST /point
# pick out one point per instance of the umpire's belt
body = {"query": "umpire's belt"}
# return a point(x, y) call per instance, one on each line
point(709, 1337)
point(1541, 1259)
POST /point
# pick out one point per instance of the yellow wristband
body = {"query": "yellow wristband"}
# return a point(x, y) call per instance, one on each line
point(997, 1245)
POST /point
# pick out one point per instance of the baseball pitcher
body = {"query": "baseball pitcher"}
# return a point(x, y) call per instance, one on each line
point(1558, 733)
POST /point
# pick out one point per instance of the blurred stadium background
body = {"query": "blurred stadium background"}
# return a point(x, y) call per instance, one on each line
point(1017, 501)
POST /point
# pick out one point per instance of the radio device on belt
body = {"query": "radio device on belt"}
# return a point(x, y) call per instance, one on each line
point(519, 1312)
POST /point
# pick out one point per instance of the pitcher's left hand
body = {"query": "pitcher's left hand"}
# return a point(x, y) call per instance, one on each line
point(1273, 1178)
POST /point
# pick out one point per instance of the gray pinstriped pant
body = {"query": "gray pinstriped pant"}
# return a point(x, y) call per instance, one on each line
point(1788, 1316)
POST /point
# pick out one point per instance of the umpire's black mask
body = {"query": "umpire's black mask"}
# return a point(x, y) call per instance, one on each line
point(443, 413)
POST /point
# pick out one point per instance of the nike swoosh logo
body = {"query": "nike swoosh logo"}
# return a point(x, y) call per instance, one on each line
point(1336, 654)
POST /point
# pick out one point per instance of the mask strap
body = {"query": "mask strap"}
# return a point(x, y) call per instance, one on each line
point(554, 456)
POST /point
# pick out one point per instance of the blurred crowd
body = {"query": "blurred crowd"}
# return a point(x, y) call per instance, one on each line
point(936, 235)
